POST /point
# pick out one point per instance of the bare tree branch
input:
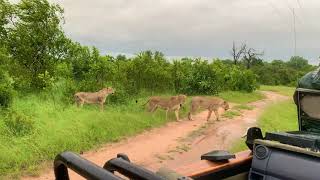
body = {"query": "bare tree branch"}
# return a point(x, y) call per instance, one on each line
point(237, 52)
point(250, 55)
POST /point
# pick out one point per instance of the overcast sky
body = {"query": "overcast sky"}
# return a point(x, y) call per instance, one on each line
point(195, 27)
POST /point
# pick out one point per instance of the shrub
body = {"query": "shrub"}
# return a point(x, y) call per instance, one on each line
point(239, 79)
point(6, 97)
point(203, 79)
point(119, 97)
point(6, 90)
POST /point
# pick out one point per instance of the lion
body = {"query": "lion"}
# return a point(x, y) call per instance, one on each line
point(174, 103)
point(93, 97)
point(210, 103)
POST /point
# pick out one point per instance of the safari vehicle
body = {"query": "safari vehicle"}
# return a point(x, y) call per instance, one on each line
point(276, 156)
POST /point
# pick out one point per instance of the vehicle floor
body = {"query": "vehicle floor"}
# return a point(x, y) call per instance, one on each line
point(178, 143)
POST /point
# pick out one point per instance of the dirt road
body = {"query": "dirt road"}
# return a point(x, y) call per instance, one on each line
point(178, 143)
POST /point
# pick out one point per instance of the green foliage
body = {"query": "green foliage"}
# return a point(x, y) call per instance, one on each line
point(241, 79)
point(35, 42)
point(279, 72)
point(6, 97)
point(119, 97)
point(6, 11)
point(203, 79)
point(6, 89)
point(149, 71)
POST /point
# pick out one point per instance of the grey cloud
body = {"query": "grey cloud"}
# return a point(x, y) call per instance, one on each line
point(194, 27)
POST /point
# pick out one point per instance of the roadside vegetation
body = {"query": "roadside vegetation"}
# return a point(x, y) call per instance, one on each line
point(41, 69)
point(277, 117)
point(283, 90)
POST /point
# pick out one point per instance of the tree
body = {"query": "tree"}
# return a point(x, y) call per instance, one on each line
point(36, 40)
point(298, 62)
point(250, 56)
point(237, 52)
point(6, 12)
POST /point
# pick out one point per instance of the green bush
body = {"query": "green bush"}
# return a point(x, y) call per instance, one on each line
point(68, 91)
point(203, 79)
point(6, 90)
point(6, 97)
point(239, 79)
point(119, 97)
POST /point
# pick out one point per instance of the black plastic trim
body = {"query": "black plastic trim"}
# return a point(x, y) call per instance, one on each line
point(81, 166)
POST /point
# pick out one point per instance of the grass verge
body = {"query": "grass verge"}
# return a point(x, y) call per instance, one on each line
point(241, 97)
point(277, 117)
point(284, 90)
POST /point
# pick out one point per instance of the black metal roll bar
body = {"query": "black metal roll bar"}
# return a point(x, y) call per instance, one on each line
point(122, 165)
point(81, 166)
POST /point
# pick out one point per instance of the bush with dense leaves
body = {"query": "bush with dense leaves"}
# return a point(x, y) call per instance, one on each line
point(6, 90)
point(202, 79)
point(239, 79)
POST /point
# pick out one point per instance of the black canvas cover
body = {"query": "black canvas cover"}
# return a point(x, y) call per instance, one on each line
point(307, 99)
point(311, 80)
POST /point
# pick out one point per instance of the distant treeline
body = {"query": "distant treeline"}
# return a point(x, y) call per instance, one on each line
point(36, 55)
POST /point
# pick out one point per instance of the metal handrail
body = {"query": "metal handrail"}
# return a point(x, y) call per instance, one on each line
point(81, 166)
point(122, 165)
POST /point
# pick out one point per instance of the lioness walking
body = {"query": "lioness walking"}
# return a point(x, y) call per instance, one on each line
point(174, 103)
point(93, 97)
point(210, 103)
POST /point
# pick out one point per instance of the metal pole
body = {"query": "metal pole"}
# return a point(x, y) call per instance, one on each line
point(294, 32)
